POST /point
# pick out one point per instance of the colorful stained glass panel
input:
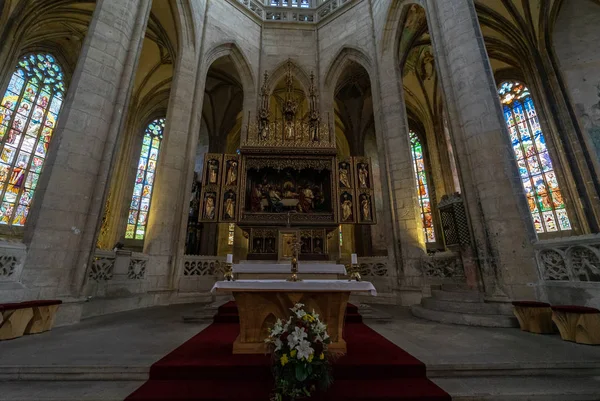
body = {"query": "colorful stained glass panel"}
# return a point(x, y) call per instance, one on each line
point(144, 181)
point(422, 188)
point(535, 166)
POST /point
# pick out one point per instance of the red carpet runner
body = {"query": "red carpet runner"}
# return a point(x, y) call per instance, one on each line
point(204, 369)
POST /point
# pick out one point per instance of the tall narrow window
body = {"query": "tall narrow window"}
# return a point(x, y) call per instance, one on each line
point(144, 181)
point(537, 173)
point(28, 115)
point(422, 187)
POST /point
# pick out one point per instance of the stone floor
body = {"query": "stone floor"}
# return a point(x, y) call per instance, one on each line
point(106, 358)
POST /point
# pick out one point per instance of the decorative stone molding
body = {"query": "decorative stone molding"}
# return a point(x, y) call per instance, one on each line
point(443, 265)
point(286, 13)
point(137, 268)
point(573, 259)
point(12, 258)
point(200, 265)
point(373, 266)
point(102, 266)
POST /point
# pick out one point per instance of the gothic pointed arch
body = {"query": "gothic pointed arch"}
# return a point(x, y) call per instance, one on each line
point(340, 62)
point(278, 74)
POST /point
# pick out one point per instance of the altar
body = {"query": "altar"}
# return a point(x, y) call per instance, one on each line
point(252, 270)
point(261, 302)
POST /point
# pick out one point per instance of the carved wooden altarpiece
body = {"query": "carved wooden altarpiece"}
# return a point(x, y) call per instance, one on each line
point(286, 176)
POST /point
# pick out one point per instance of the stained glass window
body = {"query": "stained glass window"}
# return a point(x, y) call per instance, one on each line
point(341, 236)
point(28, 115)
point(144, 181)
point(230, 234)
point(422, 187)
point(537, 173)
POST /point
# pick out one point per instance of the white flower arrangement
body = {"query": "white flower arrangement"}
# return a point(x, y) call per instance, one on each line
point(299, 347)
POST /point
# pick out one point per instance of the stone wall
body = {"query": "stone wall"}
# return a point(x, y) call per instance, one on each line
point(576, 38)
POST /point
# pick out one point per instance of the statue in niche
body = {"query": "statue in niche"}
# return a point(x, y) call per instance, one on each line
point(229, 209)
point(318, 246)
point(257, 246)
point(365, 208)
point(427, 66)
point(270, 245)
point(232, 173)
point(209, 206)
point(289, 130)
point(345, 175)
point(363, 175)
point(346, 207)
point(213, 171)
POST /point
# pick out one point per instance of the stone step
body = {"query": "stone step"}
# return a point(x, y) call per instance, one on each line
point(542, 388)
point(479, 308)
point(460, 296)
point(464, 318)
point(498, 388)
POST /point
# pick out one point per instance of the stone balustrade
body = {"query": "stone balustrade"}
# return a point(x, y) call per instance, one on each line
point(443, 265)
point(286, 13)
point(374, 266)
point(575, 259)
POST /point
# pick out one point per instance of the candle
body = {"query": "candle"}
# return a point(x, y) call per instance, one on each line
point(229, 258)
point(354, 259)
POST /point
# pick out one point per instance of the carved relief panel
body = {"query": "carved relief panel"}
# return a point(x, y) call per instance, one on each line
point(364, 190)
point(211, 188)
point(346, 191)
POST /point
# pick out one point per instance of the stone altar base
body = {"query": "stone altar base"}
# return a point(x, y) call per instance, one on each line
point(258, 311)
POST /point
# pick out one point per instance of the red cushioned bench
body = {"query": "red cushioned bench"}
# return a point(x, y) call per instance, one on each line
point(534, 317)
point(29, 317)
point(580, 324)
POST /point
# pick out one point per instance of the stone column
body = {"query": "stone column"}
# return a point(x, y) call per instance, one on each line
point(66, 214)
point(398, 176)
point(167, 223)
point(494, 198)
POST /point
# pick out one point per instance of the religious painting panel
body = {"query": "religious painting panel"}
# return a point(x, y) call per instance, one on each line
point(211, 188)
point(364, 190)
point(287, 190)
point(229, 187)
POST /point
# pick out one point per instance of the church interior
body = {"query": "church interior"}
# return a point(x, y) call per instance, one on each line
point(177, 176)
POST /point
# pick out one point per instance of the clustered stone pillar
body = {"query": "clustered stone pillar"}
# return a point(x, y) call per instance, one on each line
point(403, 212)
point(66, 214)
point(495, 202)
point(165, 236)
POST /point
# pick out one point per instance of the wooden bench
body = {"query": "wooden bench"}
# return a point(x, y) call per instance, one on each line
point(534, 317)
point(579, 324)
point(27, 318)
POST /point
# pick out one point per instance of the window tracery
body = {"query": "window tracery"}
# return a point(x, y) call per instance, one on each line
point(144, 181)
point(536, 169)
point(422, 187)
point(28, 115)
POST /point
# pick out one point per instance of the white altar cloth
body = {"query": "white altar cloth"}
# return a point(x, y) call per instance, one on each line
point(302, 286)
point(303, 267)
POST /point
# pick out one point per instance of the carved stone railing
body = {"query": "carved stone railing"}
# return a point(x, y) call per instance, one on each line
point(443, 265)
point(103, 265)
point(109, 265)
point(376, 266)
point(287, 13)
point(201, 265)
point(12, 258)
point(572, 259)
